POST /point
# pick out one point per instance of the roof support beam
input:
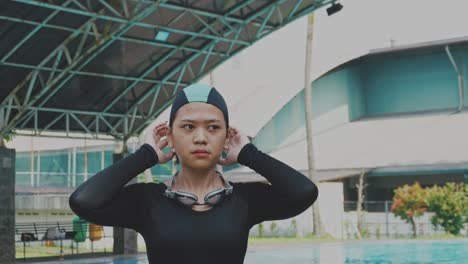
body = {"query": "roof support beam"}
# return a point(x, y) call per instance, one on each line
point(97, 34)
point(38, 27)
point(192, 58)
point(59, 81)
point(60, 134)
point(294, 10)
point(167, 77)
point(55, 78)
point(125, 21)
point(163, 59)
point(68, 116)
point(54, 70)
point(205, 13)
point(149, 119)
point(270, 13)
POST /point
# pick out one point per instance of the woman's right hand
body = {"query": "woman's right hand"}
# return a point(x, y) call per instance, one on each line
point(153, 138)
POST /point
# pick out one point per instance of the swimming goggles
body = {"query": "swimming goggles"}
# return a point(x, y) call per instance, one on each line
point(188, 199)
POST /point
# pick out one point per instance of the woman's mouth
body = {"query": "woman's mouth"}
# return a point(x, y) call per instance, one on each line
point(200, 153)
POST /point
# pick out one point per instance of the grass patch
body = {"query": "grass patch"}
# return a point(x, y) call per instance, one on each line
point(34, 251)
point(278, 240)
point(327, 238)
point(410, 237)
point(447, 236)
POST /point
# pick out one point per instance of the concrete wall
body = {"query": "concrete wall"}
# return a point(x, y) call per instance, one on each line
point(336, 99)
point(331, 209)
point(371, 86)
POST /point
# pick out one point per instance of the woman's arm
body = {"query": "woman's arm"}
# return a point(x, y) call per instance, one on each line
point(289, 194)
point(103, 199)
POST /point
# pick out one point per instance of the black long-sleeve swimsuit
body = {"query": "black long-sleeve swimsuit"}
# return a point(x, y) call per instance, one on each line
point(177, 234)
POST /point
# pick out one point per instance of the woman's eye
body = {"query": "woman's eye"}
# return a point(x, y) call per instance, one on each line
point(188, 126)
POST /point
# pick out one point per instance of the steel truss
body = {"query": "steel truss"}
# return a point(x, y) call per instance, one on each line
point(26, 102)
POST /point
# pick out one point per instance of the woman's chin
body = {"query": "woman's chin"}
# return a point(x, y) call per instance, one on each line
point(201, 164)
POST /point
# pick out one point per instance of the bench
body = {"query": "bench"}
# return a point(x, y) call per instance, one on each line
point(45, 231)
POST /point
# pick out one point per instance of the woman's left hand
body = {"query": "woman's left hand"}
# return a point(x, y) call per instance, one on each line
point(237, 140)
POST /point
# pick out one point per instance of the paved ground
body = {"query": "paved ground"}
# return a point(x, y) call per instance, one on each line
point(276, 253)
point(398, 251)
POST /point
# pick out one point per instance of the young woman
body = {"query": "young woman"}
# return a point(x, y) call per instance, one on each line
point(197, 216)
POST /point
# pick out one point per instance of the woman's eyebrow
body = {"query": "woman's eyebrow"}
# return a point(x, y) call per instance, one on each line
point(205, 121)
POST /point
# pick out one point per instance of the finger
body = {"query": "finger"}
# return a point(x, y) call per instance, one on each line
point(156, 135)
point(232, 133)
point(235, 132)
point(162, 144)
point(153, 135)
point(162, 131)
point(160, 124)
point(160, 128)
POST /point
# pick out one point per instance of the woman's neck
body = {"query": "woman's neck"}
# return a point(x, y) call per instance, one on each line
point(197, 181)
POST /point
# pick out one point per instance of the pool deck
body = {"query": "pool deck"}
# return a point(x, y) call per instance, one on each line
point(255, 252)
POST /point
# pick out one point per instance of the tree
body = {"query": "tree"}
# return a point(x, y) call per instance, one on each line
point(6, 138)
point(450, 206)
point(409, 202)
point(317, 222)
point(360, 215)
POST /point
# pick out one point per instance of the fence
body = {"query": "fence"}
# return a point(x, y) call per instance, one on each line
point(379, 222)
point(40, 238)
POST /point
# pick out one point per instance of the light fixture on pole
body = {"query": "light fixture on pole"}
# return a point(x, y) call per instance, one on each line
point(334, 8)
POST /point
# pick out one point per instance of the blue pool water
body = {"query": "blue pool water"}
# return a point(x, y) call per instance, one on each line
point(367, 252)
point(349, 252)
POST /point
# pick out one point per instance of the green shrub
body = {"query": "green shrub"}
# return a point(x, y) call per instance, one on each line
point(294, 227)
point(450, 206)
point(377, 231)
point(273, 229)
point(260, 230)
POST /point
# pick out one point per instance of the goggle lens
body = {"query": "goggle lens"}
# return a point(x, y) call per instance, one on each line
point(188, 201)
point(214, 199)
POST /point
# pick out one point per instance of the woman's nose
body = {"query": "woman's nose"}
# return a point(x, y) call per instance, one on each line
point(200, 135)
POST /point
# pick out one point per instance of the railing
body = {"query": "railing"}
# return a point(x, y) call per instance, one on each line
point(369, 206)
point(379, 222)
point(46, 233)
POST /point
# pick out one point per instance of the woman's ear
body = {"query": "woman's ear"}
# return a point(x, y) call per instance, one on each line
point(169, 138)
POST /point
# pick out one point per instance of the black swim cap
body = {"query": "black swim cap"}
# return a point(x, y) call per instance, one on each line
point(199, 93)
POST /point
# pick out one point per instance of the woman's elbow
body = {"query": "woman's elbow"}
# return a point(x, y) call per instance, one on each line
point(308, 194)
point(303, 199)
point(314, 192)
point(74, 203)
point(77, 203)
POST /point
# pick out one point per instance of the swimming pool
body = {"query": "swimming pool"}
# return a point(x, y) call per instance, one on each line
point(453, 252)
point(367, 252)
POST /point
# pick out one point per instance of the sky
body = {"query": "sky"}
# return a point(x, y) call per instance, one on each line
point(258, 81)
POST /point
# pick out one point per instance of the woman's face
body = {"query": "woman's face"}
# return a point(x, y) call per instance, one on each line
point(198, 127)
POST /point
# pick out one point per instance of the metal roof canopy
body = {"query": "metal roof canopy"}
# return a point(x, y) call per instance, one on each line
point(110, 67)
